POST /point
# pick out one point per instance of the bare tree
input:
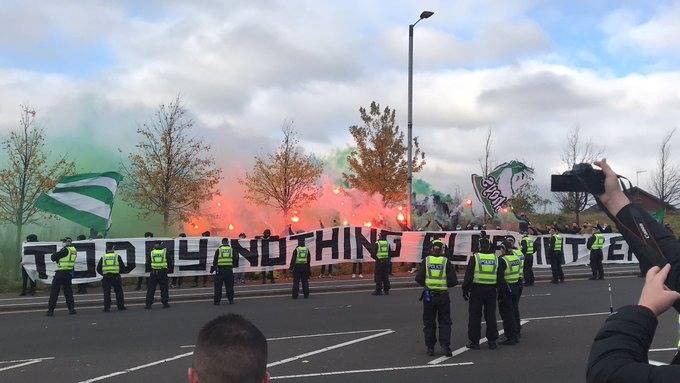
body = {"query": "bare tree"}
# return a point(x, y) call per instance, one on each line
point(28, 173)
point(171, 173)
point(285, 179)
point(485, 162)
point(577, 151)
point(666, 177)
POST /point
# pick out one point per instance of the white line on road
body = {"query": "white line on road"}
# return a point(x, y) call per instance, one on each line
point(369, 370)
point(329, 348)
point(312, 335)
point(663, 349)
point(655, 363)
point(20, 365)
point(536, 295)
point(136, 368)
point(463, 349)
point(568, 316)
point(26, 360)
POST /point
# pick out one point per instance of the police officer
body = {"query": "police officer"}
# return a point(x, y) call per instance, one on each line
point(223, 263)
point(110, 267)
point(595, 245)
point(437, 274)
point(556, 242)
point(527, 247)
point(66, 261)
point(159, 275)
point(300, 266)
point(509, 290)
point(381, 272)
point(479, 287)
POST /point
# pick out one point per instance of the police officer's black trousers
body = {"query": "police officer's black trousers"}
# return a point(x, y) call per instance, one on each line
point(301, 276)
point(224, 276)
point(596, 267)
point(528, 269)
point(381, 276)
point(556, 266)
point(114, 281)
point(438, 309)
point(508, 307)
point(482, 300)
point(61, 279)
point(160, 278)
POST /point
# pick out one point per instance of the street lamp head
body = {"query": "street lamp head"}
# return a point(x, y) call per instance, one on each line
point(426, 14)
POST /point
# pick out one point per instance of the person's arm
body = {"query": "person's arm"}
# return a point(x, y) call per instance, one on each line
point(523, 247)
point(420, 274)
point(619, 351)
point(590, 242)
point(374, 252)
point(552, 245)
point(451, 277)
point(99, 267)
point(121, 266)
point(59, 254)
point(469, 276)
point(293, 259)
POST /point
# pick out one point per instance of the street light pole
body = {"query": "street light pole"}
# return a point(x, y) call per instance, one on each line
point(409, 129)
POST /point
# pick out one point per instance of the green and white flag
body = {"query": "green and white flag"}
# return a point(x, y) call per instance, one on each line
point(86, 199)
point(501, 184)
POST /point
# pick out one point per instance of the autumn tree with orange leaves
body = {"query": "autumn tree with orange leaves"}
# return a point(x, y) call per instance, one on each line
point(286, 179)
point(379, 164)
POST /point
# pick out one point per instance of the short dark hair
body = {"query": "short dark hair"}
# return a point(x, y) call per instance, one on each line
point(230, 349)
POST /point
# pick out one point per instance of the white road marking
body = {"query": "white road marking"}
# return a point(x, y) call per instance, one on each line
point(655, 363)
point(128, 370)
point(370, 370)
point(329, 348)
point(568, 316)
point(536, 295)
point(463, 349)
point(22, 362)
point(26, 360)
point(663, 349)
point(312, 335)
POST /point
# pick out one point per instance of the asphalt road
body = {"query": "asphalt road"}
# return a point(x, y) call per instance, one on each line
point(331, 337)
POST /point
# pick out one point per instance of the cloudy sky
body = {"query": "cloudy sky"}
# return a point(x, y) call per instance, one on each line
point(529, 70)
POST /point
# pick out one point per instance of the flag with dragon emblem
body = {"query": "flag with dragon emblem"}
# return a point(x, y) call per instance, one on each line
point(501, 184)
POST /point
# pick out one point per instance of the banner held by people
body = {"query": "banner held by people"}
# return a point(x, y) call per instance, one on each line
point(193, 256)
point(86, 199)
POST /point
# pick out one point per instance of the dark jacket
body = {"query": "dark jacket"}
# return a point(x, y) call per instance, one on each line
point(619, 352)
point(590, 242)
point(451, 277)
point(121, 265)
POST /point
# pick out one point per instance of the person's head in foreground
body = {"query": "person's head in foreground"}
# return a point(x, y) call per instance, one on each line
point(437, 247)
point(229, 349)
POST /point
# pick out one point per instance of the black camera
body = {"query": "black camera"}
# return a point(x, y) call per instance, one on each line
point(581, 178)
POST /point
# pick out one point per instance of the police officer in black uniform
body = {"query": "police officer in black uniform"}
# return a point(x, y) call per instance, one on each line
point(479, 287)
point(110, 267)
point(595, 244)
point(527, 247)
point(223, 266)
point(509, 291)
point(159, 275)
point(66, 260)
point(437, 275)
point(300, 266)
point(556, 255)
point(381, 272)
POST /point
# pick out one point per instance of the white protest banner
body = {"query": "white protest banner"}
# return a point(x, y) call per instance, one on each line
point(194, 256)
